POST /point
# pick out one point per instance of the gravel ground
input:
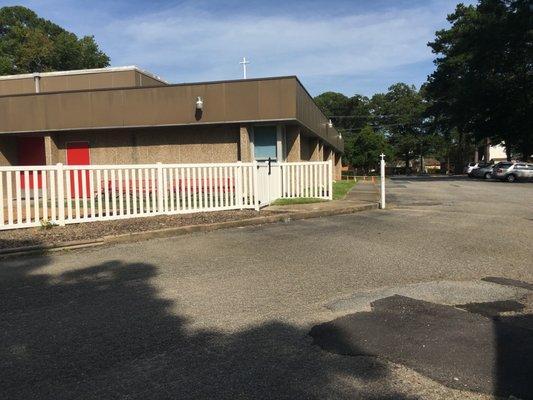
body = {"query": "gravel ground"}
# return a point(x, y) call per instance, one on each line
point(55, 235)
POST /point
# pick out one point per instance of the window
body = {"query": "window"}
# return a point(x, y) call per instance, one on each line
point(265, 142)
point(503, 165)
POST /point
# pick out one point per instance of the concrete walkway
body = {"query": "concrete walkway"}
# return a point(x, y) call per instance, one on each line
point(362, 196)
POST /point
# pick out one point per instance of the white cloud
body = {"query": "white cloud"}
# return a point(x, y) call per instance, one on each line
point(356, 51)
point(199, 45)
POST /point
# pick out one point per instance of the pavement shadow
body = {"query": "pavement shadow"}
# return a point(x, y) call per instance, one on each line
point(103, 332)
point(477, 350)
point(514, 366)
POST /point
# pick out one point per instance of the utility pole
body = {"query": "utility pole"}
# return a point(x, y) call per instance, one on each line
point(244, 62)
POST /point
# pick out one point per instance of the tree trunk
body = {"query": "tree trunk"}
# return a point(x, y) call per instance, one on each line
point(407, 159)
point(462, 156)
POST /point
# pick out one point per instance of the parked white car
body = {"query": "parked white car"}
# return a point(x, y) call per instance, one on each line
point(512, 172)
point(470, 167)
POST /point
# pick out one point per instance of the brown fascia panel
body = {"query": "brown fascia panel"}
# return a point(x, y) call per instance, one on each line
point(241, 101)
point(76, 80)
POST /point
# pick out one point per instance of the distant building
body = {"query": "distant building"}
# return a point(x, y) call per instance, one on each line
point(490, 153)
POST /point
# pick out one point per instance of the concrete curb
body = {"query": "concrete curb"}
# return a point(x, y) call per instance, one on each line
point(183, 230)
point(38, 249)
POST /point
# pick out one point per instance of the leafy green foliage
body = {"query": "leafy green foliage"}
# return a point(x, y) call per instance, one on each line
point(400, 115)
point(29, 44)
point(363, 148)
point(349, 114)
point(483, 83)
point(392, 123)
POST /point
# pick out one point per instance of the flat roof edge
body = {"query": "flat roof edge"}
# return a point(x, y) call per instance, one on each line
point(85, 71)
point(169, 85)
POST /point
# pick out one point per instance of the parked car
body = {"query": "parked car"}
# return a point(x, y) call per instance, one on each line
point(512, 172)
point(481, 171)
point(470, 167)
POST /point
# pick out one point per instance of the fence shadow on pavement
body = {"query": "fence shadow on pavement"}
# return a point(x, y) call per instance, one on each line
point(103, 332)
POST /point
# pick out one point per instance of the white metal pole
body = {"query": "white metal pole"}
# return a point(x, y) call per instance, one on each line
point(382, 204)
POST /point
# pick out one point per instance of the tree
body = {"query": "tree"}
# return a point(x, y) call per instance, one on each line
point(29, 44)
point(349, 114)
point(483, 83)
point(362, 149)
point(400, 115)
point(395, 118)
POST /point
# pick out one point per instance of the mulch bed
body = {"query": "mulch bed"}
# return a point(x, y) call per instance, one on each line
point(95, 230)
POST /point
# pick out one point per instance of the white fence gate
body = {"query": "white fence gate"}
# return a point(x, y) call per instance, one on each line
point(293, 180)
point(63, 194)
point(268, 182)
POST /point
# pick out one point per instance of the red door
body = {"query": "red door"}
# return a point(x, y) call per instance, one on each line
point(30, 151)
point(78, 154)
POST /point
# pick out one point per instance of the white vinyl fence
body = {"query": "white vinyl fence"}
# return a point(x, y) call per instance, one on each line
point(62, 194)
point(307, 179)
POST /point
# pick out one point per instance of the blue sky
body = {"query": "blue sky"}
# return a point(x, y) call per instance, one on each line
point(357, 46)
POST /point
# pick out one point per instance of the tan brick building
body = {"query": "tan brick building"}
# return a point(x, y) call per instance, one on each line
point(129, 116)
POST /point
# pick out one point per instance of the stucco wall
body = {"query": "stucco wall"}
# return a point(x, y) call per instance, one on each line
point(8, 150)
point(203, 144)
point(306, 148)
point(292, 143)
point(337, 168)
point(328, 153)
point(315, 148)
point(245, 149)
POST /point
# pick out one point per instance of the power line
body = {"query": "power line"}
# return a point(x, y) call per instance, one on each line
point(365, 116)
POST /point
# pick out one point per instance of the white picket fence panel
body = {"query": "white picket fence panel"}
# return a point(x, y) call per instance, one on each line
point(63, 194)
point(307, 179)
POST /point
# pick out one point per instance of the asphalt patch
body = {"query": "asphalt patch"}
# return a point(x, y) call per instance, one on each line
point(492, 309)
point(461, 350)
point(508, 282)
point(441, 292)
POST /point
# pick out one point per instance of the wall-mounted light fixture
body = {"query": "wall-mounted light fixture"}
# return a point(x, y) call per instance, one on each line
point(199, 103)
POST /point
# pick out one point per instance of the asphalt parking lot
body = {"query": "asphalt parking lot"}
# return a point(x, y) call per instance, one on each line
point(228, 314)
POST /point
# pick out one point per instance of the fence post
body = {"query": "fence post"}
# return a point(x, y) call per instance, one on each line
point(330, 179)
point(60, 195)
point(160, 206)
point(238, 184)
point(256, 186)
